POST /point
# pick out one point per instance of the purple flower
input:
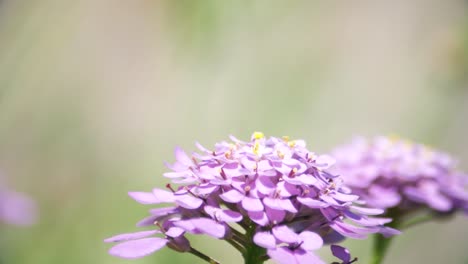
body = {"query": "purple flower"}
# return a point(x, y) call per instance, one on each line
point(281, 196)
point(393, 173)
point(16, 208)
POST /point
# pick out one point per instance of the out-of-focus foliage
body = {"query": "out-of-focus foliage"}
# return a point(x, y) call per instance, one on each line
point(95, 94)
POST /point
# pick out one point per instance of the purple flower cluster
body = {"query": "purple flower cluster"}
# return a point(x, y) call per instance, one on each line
point(394, 173)
point(269, 198)
point(16, 208)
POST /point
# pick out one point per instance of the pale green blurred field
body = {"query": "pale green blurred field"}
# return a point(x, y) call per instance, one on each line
point(95, 95)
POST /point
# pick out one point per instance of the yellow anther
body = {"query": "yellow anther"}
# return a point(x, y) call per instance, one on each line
point(311, 156)
point(256, 147)
point(294, 170)
point(285, 138)
point(228, 154)
point(254, 167)
point(292, 144)
point(258, 135)
point(280, 154)
point(247, 188)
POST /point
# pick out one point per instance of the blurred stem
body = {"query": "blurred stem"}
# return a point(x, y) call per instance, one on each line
point(203, 256)
point(381, 243)
point(401, 220)
point(380, 247)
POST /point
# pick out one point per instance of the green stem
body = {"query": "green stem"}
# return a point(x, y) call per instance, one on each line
point(203, 256)
point(253, 254)
point(380, 247)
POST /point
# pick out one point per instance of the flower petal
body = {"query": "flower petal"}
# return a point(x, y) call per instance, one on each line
point(232, 196)
point(285, 234)
point(144, 197)
point(163, 196)
point(188, 201)
point(138, 248)
point(265, 239)
point(310, 240)
point(131, 236)
point(252, 204)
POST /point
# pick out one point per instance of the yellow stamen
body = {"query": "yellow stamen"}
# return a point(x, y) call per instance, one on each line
point(292, 144)
point(285, 138)
point(258, 135)
point(256, 147)
point(280, 154)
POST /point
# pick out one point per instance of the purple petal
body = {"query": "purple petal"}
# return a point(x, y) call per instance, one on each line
point(210, 227)
point(230, 216)
point(265, 185)
point(131, 236)
point(201, 148)
point(147, 221)
point(301, 179)
point(352, 231)
point(366, 221)
point(310, 240)
point(187, 225)
point(312, 203)
point(138, 248)
point(345, 197)
point(287, 190)
point(205, 189)
point(285, 234)
point(280, 204)
point(265, 239)
point(144, 197)
point(303, 256)
point(222, 214)
point(367, 211)
point(188, 201)
point(163, 196)
point(275, 216)
point(174, 232)
point(287, 205)
point(341, 253)
point(388, 231)
point(252, 204)
point(232, 196)
point(264, 165)
point(324, 161)
point(182, 157)
point(259, 218)
point(282, 255)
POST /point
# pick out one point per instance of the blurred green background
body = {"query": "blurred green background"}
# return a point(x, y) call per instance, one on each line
point(95, 95)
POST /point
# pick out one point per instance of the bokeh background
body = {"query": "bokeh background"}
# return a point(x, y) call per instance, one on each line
point(95, 95)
